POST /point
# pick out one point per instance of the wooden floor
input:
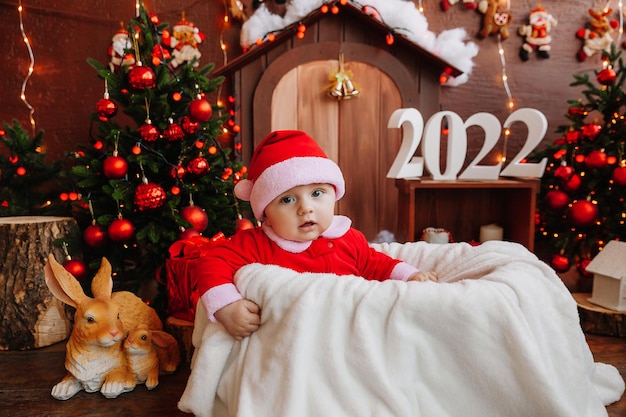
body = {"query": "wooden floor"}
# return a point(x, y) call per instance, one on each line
point(26, 378)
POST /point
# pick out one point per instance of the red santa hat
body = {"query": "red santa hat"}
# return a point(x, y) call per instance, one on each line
point(283, 160)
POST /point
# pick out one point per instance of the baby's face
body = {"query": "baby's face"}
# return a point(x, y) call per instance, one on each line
point(302, 213)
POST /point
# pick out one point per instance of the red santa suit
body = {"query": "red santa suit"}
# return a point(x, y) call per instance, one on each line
point(341, 250)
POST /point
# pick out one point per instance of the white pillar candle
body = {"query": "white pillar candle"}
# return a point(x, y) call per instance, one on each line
point(490, 232)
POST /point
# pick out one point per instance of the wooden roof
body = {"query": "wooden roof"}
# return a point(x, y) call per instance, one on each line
point(400, 41)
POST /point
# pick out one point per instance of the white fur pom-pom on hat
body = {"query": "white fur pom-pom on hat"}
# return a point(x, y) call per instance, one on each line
point(283, 160)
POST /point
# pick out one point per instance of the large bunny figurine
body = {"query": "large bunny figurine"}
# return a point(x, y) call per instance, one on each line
point(94, 359)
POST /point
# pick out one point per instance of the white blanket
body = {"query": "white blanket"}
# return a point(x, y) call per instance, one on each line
point(500, 336)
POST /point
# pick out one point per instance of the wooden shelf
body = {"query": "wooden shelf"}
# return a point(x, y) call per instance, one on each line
point(461, 207)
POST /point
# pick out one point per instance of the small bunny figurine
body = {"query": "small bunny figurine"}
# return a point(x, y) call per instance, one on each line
point(151, 353)
point(94, 359)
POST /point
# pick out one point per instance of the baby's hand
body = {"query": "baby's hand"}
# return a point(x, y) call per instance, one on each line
point(240, 319)
point(424, 276)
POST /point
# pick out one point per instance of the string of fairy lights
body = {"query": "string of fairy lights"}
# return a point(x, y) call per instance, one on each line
point(31, 68)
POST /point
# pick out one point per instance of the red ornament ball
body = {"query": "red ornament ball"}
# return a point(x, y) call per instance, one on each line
point(619, 176)
point(115, 167)
point(188, 233)
point(243, 224)
point(596, 159)
point(77, 268)
point(560, 263)
point(583, 213)
point(606, 76)
point(149, 196)
point(121, 230)
point(196, 216)
point(106, 109)
point(591, 130)
point(173, 132)
point(95, 236)
point(564, 172)
point(572, 136)
point(573, 184)
point(159, 54)
point(149, 132)
point(198, 166)
point(582, 267)
point(200, 110)
point(141, 77)
point(178, 172)
point(556, 200)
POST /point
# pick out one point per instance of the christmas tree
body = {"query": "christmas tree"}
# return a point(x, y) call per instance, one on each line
point(581, 206)
point(25, 175)
point(166, 174)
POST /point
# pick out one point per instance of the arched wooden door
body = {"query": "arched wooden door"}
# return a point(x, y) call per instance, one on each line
point(352, 132)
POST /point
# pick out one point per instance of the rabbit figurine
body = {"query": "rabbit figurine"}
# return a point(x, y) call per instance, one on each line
point(151, 353)
point(94, 359)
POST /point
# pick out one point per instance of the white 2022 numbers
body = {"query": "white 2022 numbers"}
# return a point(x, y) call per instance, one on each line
point(412, 123)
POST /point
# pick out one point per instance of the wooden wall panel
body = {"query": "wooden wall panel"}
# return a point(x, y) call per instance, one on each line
point(285, 97)
point(358, 146)
point(317, 112)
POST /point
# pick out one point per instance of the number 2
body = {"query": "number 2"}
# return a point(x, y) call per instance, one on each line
point(406, 165)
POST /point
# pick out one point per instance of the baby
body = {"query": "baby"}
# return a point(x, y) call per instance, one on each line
point(292, 187)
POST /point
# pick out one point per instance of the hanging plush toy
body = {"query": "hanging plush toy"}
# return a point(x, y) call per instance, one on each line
point(496, 19)
point(467, 4)
point(537, 34)
point(119, 50)
point(184, 41)
point(237, 10)
point(597, 36)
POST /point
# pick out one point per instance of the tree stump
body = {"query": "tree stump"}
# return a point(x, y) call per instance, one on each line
point(599, 320)
point(182, 330)
point(31, 316)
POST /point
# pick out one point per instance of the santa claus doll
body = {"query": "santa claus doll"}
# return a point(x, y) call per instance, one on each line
point(120, 51)
point(537, 34)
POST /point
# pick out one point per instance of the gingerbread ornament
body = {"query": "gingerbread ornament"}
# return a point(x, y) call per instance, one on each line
point(496, 18)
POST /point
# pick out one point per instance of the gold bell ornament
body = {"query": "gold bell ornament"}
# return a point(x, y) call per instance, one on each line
point(342, 87)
